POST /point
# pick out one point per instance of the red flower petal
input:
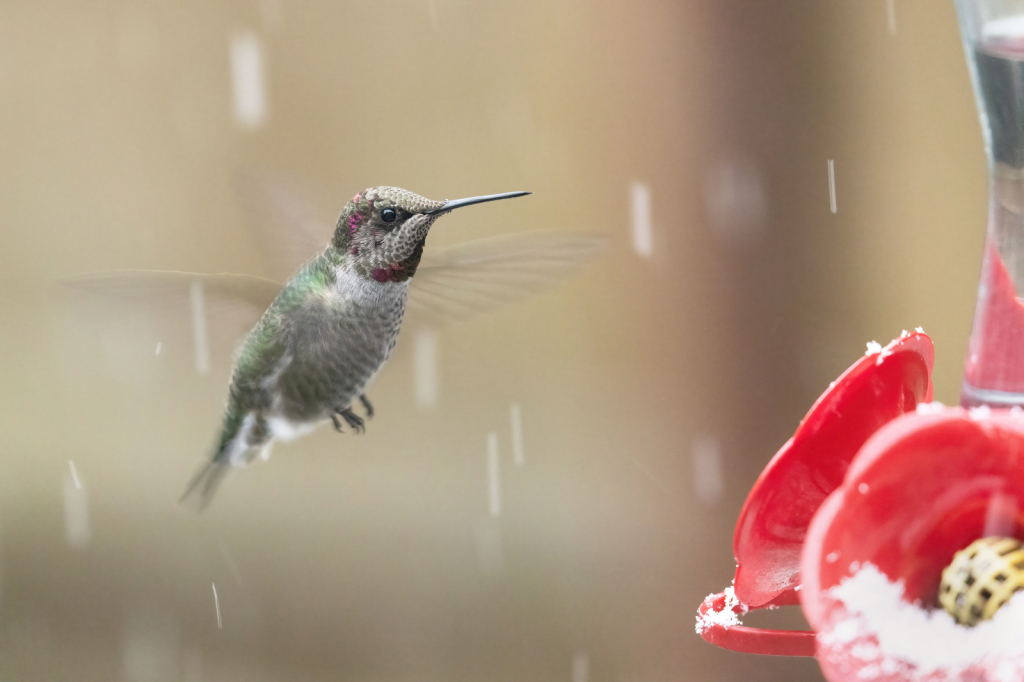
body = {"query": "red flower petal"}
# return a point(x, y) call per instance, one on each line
point(774, 520)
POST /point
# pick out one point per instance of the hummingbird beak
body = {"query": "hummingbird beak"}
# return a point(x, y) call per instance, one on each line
point(459, 203)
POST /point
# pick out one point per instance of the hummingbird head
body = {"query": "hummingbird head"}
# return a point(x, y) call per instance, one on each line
point(383, 229)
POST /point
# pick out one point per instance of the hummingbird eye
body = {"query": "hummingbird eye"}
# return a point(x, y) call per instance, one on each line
point(389, 215)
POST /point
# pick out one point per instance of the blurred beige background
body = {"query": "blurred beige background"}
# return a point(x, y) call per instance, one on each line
point(651, 389)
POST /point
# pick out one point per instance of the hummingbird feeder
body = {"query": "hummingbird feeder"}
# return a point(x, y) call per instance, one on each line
point(895, 523)
point(880, 511)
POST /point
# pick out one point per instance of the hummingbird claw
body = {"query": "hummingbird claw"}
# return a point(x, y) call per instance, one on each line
point(366, 404)
point(351, 418)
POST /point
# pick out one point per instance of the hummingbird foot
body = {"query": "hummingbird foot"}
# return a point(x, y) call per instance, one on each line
point(366, 404)
point(351, 418)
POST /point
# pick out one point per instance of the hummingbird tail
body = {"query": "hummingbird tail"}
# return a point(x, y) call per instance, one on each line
point(204, 484)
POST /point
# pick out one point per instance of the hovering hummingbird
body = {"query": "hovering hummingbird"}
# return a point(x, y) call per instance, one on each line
point(329, 331)
point(326, 333)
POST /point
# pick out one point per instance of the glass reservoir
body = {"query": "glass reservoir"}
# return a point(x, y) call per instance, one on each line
point(993, 32)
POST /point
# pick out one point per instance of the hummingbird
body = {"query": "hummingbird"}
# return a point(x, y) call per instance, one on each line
point(327, 334)
point(315, 343)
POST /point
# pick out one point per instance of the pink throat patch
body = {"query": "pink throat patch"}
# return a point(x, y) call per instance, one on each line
point(391, 274)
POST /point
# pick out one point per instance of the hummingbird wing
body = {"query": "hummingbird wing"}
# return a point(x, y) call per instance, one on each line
point(173, 285)
point(288, 228)
point(224, 304)
point(466, 279)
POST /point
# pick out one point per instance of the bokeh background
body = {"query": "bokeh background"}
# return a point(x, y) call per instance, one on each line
point(650, 389)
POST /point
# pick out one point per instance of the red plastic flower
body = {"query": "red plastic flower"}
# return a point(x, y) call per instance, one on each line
point(879, 387)
point(922, 488)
